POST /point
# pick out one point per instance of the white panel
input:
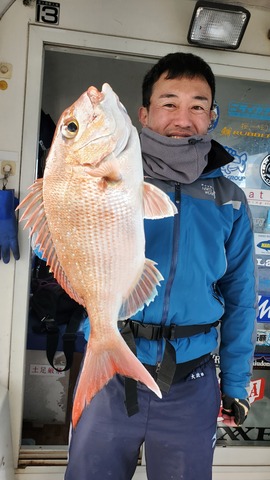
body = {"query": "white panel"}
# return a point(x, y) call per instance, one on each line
point(241, 473)
point(6, 458)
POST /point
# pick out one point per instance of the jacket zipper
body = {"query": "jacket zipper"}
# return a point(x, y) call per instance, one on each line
point(174, 259)
point(216, 294)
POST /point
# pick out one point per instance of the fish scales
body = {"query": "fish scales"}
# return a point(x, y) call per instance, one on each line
point(87, 215)
point(84, 257)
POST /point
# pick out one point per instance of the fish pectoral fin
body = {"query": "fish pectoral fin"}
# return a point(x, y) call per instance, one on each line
point(143, 293)
point(157, 204)
point(100, 366)
point(41, 236)
point(107, 170)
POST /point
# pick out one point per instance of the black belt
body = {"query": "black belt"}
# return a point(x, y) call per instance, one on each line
point(182, 370)
point(170, 332)
point(167, 374)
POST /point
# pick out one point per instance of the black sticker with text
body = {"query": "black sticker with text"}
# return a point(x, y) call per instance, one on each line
point(47, 12)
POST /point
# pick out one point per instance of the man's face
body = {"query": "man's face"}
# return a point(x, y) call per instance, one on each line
point(179, 107)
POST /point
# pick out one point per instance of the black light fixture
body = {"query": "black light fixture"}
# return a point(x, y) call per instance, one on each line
point(218, 25)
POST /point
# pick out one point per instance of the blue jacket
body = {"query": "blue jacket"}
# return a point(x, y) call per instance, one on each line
point(206, 256)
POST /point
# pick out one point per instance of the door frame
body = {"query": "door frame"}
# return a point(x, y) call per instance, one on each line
point(225, 64)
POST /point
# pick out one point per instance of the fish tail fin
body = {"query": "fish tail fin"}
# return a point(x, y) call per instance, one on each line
point(100, 366)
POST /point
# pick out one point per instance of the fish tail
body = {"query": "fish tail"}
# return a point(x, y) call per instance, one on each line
point(100, 366)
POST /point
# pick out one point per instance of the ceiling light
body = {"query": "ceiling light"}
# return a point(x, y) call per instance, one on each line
point(216, 25)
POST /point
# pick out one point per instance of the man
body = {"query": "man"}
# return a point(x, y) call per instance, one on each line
point(205, 254)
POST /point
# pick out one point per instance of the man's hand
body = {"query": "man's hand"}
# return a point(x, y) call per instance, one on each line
point(234, 410)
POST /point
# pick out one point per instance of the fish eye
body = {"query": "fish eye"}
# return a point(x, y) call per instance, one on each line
point(70, 128)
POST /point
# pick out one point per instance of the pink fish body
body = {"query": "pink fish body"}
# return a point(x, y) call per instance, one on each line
point(86, 215)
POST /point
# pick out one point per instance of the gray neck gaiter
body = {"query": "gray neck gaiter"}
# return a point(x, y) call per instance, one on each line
point(178, 159)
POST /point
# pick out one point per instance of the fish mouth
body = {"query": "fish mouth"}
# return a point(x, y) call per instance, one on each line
point(112, 128)
point(95, 96)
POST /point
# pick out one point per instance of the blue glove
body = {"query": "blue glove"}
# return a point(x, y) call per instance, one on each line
point(8, 226)
point(236, 408)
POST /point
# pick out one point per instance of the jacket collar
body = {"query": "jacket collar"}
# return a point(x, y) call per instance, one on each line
point(217, 157)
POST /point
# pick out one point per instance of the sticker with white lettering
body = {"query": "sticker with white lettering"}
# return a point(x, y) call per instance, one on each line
point(47, 12)
point(264, 309)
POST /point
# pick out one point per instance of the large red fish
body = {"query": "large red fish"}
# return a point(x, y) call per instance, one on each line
point(86, 215)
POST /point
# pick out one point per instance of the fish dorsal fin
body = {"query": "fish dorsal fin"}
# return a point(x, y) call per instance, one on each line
point(157, 204)
point(41, 236)
point(144, 291)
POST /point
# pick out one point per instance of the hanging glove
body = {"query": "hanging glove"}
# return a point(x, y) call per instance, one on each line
point(234, 410)
point(8, 226)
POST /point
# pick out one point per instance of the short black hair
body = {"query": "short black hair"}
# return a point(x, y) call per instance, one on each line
point(177, 64)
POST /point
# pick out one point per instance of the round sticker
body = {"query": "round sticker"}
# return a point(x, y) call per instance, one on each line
point(3, 85)
point(265, 170)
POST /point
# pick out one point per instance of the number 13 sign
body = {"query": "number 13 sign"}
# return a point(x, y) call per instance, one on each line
point(47, 12)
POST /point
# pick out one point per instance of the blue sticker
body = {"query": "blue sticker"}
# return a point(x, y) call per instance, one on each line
point(264, 309)
point(264, 245)
point(248, 110)
point(236, 169)
point(239, 163)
